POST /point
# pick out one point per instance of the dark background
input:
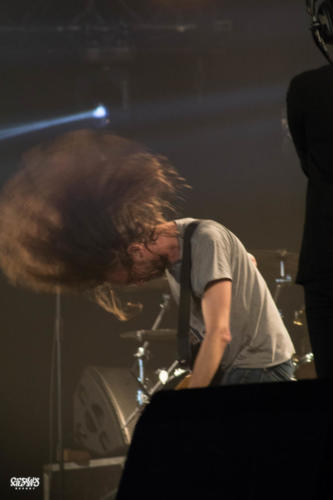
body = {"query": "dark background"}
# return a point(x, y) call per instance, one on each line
point(212, 99)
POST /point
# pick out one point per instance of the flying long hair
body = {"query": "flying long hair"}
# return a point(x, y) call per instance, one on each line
point(69, 214)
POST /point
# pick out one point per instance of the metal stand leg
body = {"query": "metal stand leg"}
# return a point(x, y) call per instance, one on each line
point(60, 444)
point(143, 394)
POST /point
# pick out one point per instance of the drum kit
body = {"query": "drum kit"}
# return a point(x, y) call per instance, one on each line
point(113, 398)
point(165, 377)
point(279, 269)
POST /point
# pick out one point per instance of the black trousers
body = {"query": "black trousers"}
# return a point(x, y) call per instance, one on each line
point(319, 315)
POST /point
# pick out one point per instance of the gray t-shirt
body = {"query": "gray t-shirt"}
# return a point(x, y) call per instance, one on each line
point(259, 337)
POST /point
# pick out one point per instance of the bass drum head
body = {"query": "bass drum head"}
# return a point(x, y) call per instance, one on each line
point(104, 399)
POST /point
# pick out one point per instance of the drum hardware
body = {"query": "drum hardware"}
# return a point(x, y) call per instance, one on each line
point(143, 393)
point(162, 375)
point(108, 401)
point(298, 361)
point(298, 315)
point(278, 268)
point(142, 335)
point(141, 354)
point(163, 306)
point(166, 376)
point(283, 279)
point(269, 260)
point(172, 373)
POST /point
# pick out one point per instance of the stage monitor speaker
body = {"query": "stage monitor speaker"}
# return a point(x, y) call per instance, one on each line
point(104, 399)
point(260, 441)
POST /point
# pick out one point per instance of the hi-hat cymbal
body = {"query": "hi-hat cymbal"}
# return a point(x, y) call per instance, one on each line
point(142, 335)
point(269, 262)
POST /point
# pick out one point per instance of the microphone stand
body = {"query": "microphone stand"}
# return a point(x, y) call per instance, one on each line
point(60, 444)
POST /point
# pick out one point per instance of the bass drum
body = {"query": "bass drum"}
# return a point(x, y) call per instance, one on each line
point(104, 399)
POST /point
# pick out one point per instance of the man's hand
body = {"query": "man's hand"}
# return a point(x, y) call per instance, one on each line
point(216, 304)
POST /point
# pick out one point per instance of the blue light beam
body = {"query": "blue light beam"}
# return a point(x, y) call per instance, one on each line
point(99, 112)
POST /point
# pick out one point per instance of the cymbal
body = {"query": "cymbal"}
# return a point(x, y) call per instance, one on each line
point(142, 335)
point(269, 262)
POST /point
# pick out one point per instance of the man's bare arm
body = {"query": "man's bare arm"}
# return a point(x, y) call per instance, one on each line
point(216, 304)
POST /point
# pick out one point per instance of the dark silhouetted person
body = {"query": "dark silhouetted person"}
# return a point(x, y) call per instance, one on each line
point(310, 118)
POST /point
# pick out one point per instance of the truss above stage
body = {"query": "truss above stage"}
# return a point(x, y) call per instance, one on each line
point(112, 25)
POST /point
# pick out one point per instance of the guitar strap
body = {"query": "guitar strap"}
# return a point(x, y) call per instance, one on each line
point(183, 341)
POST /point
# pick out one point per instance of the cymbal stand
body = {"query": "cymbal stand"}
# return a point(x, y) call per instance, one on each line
point(142, 353)
point(164, 306)
point(171, 374)
point(282, 280)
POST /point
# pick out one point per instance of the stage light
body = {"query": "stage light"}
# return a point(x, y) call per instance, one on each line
point(100, 112)
point(97, 113)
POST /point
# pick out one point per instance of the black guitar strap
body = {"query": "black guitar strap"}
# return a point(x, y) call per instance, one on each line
point(184, 349)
